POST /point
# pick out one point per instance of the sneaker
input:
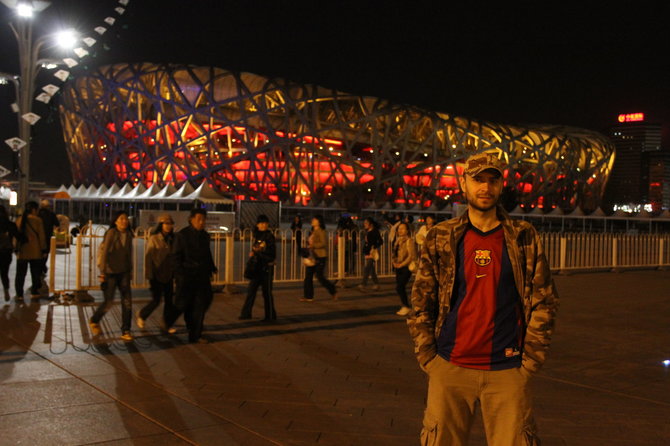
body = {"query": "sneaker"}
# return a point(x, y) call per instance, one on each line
point(126, 336)
point(362, 287)
point(140, 321)
point(375, 287)
point(403, 311)
point(6, 295)
point(336, 297)
point(167, 330)
point(304, 299)
point(95, 329)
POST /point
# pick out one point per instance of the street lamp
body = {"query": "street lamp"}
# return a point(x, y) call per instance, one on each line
point(29, 65)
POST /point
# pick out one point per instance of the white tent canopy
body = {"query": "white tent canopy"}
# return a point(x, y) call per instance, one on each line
point(168, 193)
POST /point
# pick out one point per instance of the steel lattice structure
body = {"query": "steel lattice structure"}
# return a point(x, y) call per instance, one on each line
point(257, 138)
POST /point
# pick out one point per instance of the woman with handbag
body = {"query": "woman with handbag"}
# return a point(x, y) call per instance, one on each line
point(317, 244)
point(403, 253)
point(115, 262)
point(373, 241)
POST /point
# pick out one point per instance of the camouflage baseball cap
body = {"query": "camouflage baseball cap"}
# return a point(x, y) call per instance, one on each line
point(482, 161)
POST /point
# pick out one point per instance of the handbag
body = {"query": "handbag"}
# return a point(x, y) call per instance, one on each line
point(374, 254)
point(251, 267)
point(412, 266)
point(308, 261)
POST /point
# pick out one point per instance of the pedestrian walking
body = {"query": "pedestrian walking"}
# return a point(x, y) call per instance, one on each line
point(50, 223)
point(193, 267)
point(373, 243)
point(30, 250)
point(296, 227)
point(158, 270)
point(260, 270)
point(317, 245)
point(115, 262)
point(420, 237)
point(8, 234)
point(484, 308)
point(403, 253)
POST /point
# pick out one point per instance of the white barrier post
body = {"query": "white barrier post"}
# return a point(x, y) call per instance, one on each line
point(52, 266)
point(563, 254)
point(78, 263)
point(615, 253)
point(341, 253)
point(660, 252)
point(228, 272)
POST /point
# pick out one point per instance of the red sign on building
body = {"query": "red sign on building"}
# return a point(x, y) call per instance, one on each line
point(631, 117)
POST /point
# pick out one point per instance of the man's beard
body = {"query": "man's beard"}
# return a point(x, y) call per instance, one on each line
point(474, 205)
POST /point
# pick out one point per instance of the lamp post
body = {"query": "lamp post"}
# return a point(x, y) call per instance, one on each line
point(29, 66)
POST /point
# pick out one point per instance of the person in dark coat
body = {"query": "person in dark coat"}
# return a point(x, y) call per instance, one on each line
point(260, 270)
point(8, 233)
point(373, 241)
point(296, 227)
point(193, 267)
point(50, 223)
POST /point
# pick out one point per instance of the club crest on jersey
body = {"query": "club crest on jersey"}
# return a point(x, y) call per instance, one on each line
point(482, 257)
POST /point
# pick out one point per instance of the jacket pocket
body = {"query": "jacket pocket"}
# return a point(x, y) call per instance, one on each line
point(429, 431)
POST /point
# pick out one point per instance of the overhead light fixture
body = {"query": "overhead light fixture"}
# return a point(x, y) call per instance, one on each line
point(24, 9)
point(66, 38)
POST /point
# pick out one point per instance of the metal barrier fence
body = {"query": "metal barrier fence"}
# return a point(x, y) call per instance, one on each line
point(74, 268)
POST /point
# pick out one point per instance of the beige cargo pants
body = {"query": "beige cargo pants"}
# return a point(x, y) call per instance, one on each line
point(453, 393)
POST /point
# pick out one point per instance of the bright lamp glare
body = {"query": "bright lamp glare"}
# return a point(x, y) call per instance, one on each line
point(666, 362)
point(24, 10)
point(66, 39)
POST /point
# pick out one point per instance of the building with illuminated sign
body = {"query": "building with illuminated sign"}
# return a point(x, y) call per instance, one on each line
point(254, 138)
point(641, 170)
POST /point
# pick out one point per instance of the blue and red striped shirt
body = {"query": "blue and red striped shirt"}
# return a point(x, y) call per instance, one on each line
point(484, 327)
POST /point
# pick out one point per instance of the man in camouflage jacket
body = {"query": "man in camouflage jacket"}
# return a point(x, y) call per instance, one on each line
point(455, 388)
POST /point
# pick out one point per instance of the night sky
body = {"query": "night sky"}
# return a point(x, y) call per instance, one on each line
point(511, 63)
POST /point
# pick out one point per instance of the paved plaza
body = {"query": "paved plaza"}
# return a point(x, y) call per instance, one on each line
point(326, 373)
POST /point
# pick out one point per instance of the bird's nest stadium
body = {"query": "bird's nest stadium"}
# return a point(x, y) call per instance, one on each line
point(255, 138)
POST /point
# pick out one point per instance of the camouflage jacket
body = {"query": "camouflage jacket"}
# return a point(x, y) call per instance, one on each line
point(434, 283)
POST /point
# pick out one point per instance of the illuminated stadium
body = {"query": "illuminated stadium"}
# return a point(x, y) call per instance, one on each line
point(254, 138)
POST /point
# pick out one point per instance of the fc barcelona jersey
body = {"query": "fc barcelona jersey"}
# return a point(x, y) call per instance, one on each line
point(484, 329)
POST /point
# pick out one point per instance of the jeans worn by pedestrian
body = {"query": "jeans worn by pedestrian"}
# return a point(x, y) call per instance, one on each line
point(370, 270)
point(159, 290)
point(318, 269)
point(262, 279)
point(120, 281)
point(35, 275)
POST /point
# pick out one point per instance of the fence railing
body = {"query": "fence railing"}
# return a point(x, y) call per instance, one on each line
point(74, 268)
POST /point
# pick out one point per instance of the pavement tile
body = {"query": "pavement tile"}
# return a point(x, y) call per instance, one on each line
point(28, 367)
point(75, 425)
point(40, 395)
